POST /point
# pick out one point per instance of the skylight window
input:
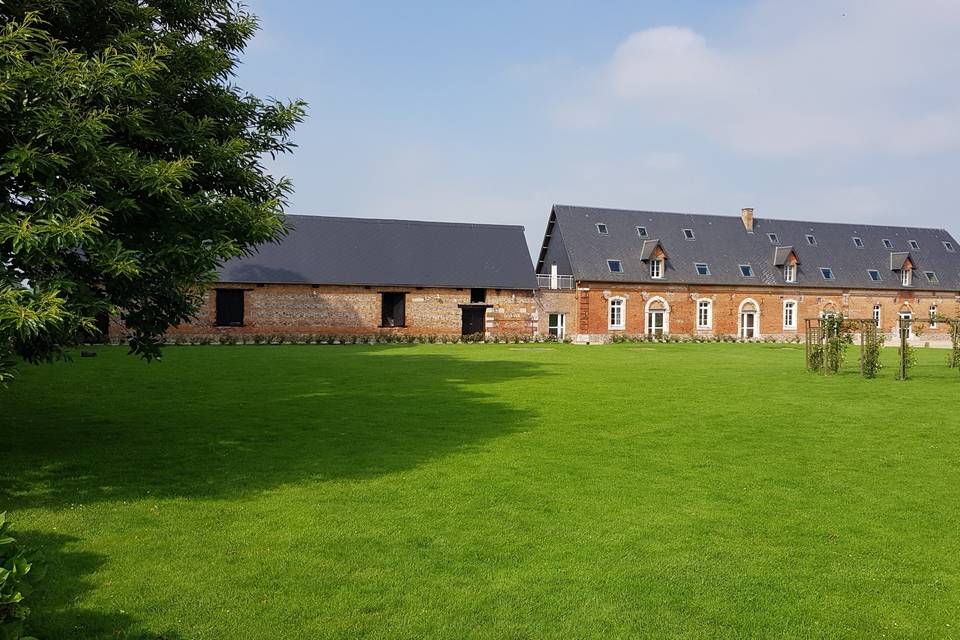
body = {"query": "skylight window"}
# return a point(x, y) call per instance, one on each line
point(858, 242)
point(601, 228)
point(915, 245)
point(827, 273)
point(746, 271)
point(948, 246)
point(614, 266)
point(932, 276)
point(887, 244)
point(811, 240)
point(774, 238)
point(874, 275)
point(688, 234)
point(703, 268)
point(642, 232)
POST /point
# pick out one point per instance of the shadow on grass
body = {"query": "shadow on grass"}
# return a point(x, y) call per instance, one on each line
point(220, 421)
point(54, 613)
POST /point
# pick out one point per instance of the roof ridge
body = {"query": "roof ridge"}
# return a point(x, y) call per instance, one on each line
point(474, 225)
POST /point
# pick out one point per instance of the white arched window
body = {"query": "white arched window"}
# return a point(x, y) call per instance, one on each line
point(748, 324)
point(657, 316)
point(790, 315)
point(616, 313)
point(704, 313)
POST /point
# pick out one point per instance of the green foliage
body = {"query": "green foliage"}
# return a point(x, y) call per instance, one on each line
point(872, 350)
point(130, 166)
point(837, 337)
point(908, 359)
point(954, 358)
point(18, 575)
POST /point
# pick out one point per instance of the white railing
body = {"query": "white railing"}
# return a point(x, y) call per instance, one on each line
point(546, 281)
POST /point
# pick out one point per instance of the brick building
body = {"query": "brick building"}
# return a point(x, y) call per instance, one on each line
point(606, 271)
point(362, 276)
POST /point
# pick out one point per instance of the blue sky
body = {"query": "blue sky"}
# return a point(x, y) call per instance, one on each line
point(493, 111)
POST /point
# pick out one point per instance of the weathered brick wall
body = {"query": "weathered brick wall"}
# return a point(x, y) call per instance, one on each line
point(294, 309)
point(556, 301)
point(811, 302)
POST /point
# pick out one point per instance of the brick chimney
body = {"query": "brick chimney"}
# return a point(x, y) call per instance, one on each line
point(746, 214)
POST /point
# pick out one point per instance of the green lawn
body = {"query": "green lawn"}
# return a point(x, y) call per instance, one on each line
point(481, 491)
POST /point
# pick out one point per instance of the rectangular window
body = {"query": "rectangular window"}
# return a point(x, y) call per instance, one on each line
point(642, 232)
point(906, 277)
point(858, 242)
point(229, 307)
point(874, 275)
point(789, 273)
point(656, 268)
point(703, 268)
point(790, 315)
point(746, 271)
point(393, 312)
point(827, 273)
point(877, 312)
point(932, 277)
point(933, 317)
point(478, 296)
point(557, 325)
point(887, 244)
point(688, 234)
point(616, 313)
point(811, 240)
point(948, 246)
point(704, 314)
point(915, 245)
point(601, 228)
point(774, 238)
point(614, 266)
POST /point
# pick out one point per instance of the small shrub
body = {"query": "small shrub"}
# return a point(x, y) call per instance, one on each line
point(18, 577)
point(871, 356)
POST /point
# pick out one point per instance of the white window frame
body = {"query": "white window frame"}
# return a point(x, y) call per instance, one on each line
point(656, 268)
point(793, 307)
point(934, 280)
point(870, 273)
point(642, 232)
point(705, 304)
point(610, 266)
point(621, 304)
point(949, 246)
point(811, 240)
point(914, 245)
point(605, 231)
point(706, 266)
point(887, 244)
point(906, 277)
point(773, 238)
point(907, 315)
point(753, 274)
point(790, 273)
point(878, 314)
point(933, 314)
point(560, 327)
point(858, 242)
point(689, 235)
point(823, 275)
point(666, 315)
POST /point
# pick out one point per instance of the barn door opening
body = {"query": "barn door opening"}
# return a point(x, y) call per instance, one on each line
point(474, 321)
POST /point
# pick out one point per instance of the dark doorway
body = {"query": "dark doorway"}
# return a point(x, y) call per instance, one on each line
point(478, 296)
point(474, 320)
point(229, 307)
point(393, 309)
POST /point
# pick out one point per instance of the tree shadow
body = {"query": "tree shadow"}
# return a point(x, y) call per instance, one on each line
point(225, 421)
point(54, 610)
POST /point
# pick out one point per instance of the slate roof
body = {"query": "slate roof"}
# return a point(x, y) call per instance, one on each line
point(363, 251)
point(724, 244)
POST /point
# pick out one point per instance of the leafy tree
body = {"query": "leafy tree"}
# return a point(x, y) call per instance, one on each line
point(130, 165)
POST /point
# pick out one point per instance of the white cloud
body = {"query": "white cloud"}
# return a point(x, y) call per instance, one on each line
point(793, 78)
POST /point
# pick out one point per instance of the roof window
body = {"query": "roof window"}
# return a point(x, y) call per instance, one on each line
point(601, 228)
point(642, 232)
point(858, 242)
point(614, 266)
point(932, 276)
point(887, 244)
point(827, 273)
point(774, 238)
point(811, 240)
point(688, 234)
point(948, 246)
point(746, 271)
point(915, 245)
point(703, 268)
point(874, 275)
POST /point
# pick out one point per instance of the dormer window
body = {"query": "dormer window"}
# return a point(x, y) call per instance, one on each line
point(615, 266)
point(746, 271)
point(906, 277)
point(915, 245)
point(874, 275)
point(774, 238)
point(858, 242)
point(811, 240)
point(948, 246)
point(887, 244)
point(790, 273)
point(688, 234)
point(656, 268)
point(932, 277)
point(827, 273)
point(642, 232)
point(601, 228)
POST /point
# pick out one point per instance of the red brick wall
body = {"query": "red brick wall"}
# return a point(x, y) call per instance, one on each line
point(682, 301)
point(302, 309)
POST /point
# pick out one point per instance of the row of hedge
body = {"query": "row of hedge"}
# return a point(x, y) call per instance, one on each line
point(684, 339)
point(385, 338)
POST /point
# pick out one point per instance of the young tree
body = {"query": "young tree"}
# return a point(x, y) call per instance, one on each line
point(130, 165)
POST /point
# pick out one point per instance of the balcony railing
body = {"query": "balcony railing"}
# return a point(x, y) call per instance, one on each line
point(547, 282)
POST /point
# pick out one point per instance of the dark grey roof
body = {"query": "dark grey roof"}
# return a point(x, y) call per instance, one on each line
point(723, 243)
point(363, 251)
